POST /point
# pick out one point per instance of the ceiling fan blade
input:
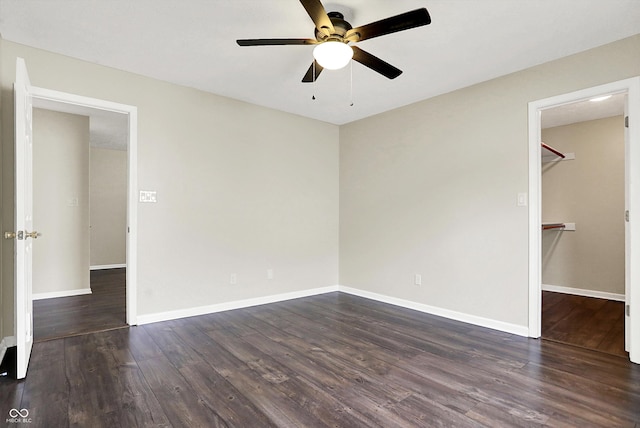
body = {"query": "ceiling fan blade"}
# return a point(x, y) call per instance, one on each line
point(310, 77)
point(319, 16)
point(275, 42)
point(375, 63)
point(404, 21)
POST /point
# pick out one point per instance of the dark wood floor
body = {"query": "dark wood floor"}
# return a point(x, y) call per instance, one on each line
point(584, 321)
point(330, 360)
point(103, 309)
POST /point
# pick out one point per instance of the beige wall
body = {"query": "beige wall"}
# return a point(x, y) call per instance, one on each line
point(60, 202)
point(108, 210)
point(588, 191)
point(432, 188)
point(241, 188)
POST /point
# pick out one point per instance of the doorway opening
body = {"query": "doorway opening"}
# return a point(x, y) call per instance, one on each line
point(113, 128)
point(80, 204)
point(557, 230)
point(583, 232)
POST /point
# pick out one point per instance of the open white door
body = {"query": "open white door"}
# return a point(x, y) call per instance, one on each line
point(632, 224)
point(24, 217)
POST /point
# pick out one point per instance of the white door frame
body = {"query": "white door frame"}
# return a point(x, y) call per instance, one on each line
point(43, 97)
point(632, 158)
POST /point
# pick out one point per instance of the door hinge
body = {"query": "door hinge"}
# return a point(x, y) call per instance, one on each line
point(626, 216)
point(626, 121)
point(627, 310)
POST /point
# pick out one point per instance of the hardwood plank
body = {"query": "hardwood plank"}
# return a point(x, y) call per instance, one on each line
point(45, 390)
point(232, 406)
point(171, 345)
point(316, 406)
point(279, 407)
point(181, 404)
point(322, 369)
point(140, 344)
point(584, 321)
point(107, 384)
point(368, 388)
point(443, 383)
point(103, 309)
point(329, 360)
point(10, 395)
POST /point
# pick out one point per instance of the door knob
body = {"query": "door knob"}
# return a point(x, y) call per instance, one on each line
point(33, 234)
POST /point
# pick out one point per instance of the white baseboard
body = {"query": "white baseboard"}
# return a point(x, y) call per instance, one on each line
point(238, 304)
point(445, 313)
point(5, 343)
point(101, 267)
point(457, 316)
point(585, 293)
point(63, 293)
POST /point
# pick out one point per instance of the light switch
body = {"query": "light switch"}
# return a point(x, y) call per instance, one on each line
point(522, 199)
point(148, 196)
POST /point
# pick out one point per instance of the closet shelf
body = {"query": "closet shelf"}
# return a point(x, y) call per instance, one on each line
point(552, 150)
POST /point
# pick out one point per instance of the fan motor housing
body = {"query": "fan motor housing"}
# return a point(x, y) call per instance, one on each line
point(340, 26)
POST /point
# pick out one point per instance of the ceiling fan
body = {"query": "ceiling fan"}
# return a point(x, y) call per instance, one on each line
point(333, 35)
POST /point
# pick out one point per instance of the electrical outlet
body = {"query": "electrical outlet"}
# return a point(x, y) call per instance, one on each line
point(417, 280)
point(269, 273)
point(233, 279)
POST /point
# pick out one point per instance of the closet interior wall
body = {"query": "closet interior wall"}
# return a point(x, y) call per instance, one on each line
point(585, 190)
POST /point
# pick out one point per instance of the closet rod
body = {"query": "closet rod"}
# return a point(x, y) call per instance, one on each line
point(552, 150)
point(553, 226)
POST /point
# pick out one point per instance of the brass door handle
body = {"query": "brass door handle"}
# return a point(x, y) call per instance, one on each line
point(22, 235)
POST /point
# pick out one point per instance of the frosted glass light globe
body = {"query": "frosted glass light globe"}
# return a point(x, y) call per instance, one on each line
point(333, 55)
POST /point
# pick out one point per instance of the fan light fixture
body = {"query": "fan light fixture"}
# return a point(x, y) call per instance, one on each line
point(333, 54)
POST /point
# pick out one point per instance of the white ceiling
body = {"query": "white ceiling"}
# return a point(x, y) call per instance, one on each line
point(582, 111)
point(192, 43)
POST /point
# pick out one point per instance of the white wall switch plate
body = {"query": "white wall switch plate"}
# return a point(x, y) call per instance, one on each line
point(148, 196)
point(522, 200)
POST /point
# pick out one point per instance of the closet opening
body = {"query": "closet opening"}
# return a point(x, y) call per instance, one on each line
point(563, 264)
point(583, 230)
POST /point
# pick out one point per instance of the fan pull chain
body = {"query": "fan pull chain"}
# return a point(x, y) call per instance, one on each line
point(351, 84)
point(313, 96)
